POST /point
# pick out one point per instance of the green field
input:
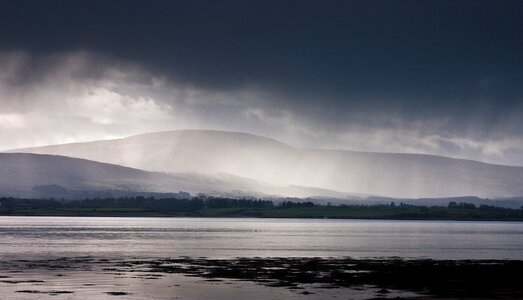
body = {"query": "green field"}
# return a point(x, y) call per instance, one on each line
point(330, 212)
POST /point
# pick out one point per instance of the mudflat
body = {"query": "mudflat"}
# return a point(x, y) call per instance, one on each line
point(260, 278)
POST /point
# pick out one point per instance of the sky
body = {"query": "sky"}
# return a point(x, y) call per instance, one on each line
point(437, 77)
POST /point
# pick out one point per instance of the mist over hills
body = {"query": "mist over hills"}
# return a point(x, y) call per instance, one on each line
point(27, 175)
point(269, 163)
point(44, 176)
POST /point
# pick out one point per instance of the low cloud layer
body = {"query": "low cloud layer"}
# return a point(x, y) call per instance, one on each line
point(64, 102)
point(83, 96)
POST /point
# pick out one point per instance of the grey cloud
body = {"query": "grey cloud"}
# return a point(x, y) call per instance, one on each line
point(79, 96)
point(431, 76)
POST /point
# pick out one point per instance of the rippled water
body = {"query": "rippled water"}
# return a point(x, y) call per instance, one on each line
point(245, 237)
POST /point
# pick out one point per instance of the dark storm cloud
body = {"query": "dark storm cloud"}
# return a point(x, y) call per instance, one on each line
point(418, 49)
point(450, 72)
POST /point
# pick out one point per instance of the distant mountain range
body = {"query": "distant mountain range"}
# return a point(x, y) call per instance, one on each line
point(253, 164)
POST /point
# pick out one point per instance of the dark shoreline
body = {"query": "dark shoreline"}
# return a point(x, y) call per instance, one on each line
point(440, 278)
point(445, 279)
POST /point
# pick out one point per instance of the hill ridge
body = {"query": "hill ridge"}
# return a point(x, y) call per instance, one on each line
point(268, 160)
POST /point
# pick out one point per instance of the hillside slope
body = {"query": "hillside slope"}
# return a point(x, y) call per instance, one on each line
point(251, 156)
point(44, 176)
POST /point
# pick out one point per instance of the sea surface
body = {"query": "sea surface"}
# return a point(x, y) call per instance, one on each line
point(48, 237)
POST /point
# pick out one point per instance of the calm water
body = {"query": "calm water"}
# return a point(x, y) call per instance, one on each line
point(38, 237)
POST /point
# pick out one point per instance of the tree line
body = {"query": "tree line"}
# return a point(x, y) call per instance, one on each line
point(206, 202)
point(195, 203)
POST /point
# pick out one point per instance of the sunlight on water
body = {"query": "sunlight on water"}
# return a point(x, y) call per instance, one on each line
point(222, 238)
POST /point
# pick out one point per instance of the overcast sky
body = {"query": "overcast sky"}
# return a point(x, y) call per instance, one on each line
point(439, 77)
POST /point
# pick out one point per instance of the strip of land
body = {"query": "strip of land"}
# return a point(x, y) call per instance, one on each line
point(225, 207)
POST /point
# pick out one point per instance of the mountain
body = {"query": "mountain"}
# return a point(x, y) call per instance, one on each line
point(44, 176)
point(277, 164)
point(34, 175)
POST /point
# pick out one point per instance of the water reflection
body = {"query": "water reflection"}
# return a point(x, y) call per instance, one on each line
point(222, 238)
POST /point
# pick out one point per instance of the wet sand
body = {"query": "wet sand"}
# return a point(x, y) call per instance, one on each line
point(258, 278)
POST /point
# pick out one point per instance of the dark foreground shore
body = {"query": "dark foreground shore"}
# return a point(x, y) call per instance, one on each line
point(259, 278)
